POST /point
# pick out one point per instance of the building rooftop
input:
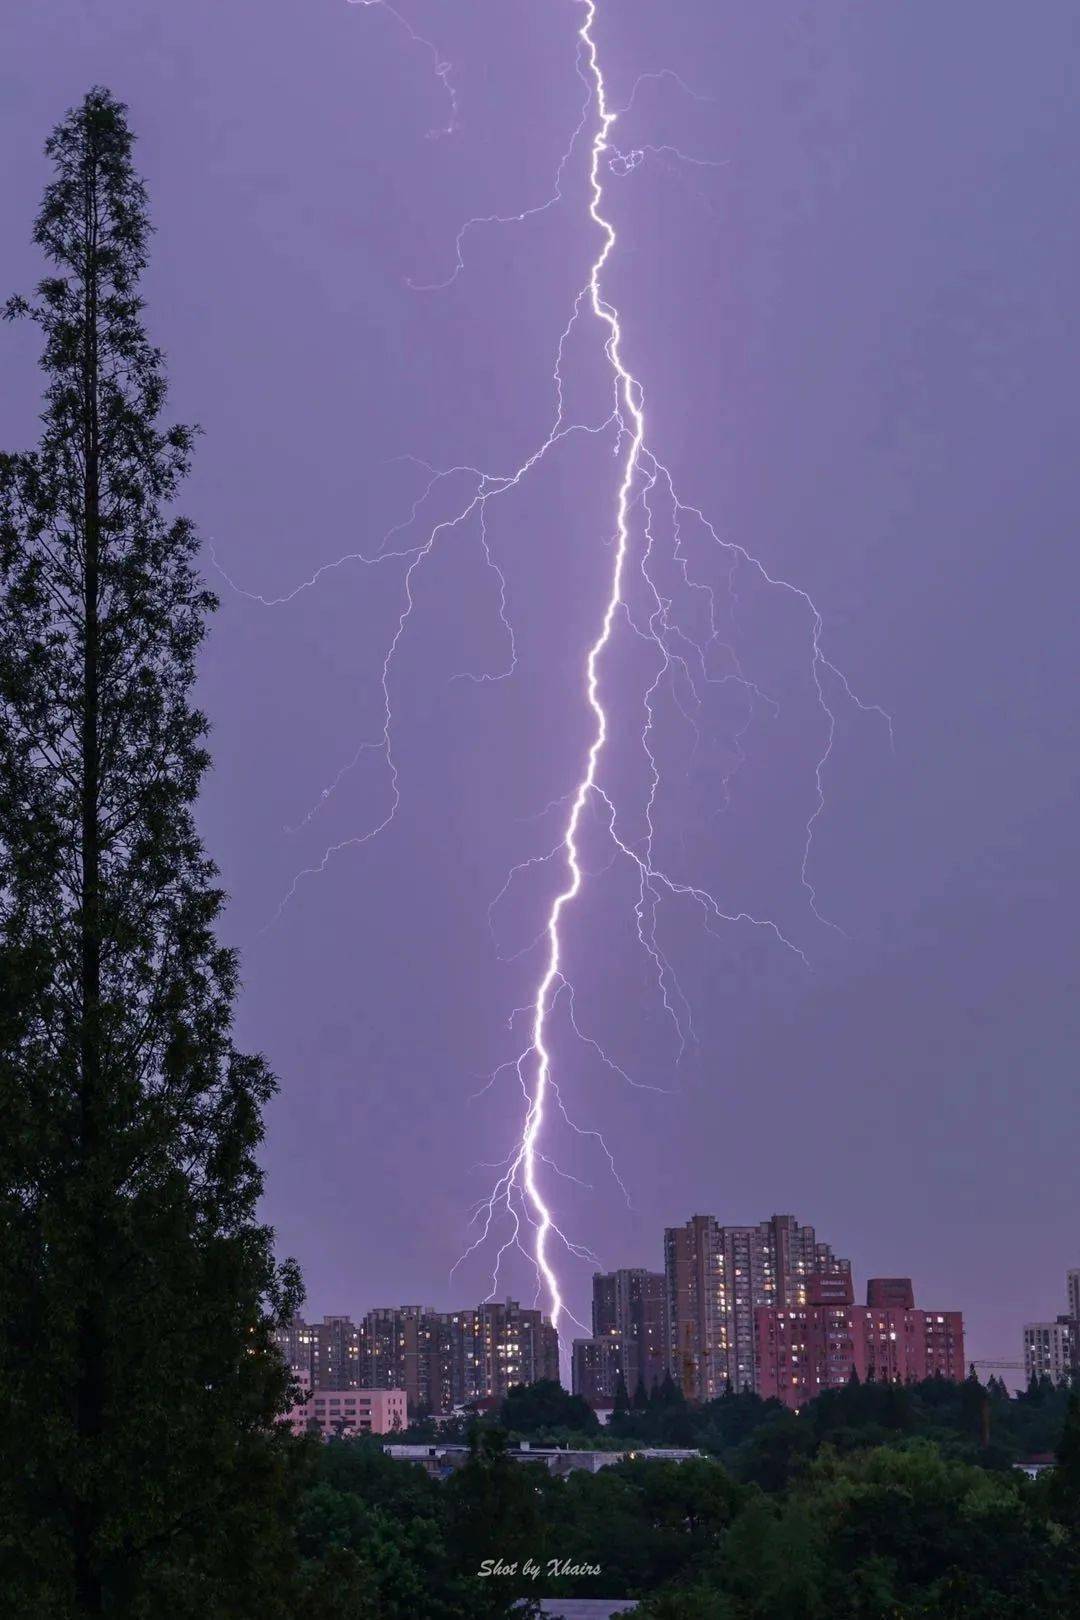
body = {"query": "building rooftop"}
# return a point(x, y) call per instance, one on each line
point(585, 1608)
point(558, 1459)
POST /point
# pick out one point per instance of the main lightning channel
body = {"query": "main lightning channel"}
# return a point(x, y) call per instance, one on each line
point(630, 393)
point(685, 666)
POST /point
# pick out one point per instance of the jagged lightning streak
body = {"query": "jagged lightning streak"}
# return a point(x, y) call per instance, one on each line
point(537, 1060)
point(630, 396)
point(683, 662)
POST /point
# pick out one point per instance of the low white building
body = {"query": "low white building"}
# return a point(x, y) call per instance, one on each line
point(440, 1460)
point(585, 1608)
point(1034, 1466)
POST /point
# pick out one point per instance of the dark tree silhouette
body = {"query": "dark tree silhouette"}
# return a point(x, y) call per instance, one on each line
point(529, 1408)
point(139, 1461)
point(1065, 1480)
point(494, 1516)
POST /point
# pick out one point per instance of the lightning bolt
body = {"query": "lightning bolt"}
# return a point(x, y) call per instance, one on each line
point(687, 664)
point(534, 1066)
point(631, 410)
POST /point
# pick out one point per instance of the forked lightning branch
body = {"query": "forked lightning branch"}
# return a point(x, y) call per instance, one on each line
point(519, 1213)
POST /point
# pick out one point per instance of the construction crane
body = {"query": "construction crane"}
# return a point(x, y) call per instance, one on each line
point(1012, 1366)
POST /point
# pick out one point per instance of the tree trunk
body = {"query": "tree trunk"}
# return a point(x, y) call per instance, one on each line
point(90, 1391)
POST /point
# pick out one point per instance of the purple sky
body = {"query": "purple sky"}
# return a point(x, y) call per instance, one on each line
point(859, 354)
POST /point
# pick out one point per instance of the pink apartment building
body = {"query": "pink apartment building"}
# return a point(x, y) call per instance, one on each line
point(819, 1344)
point(348, 1411)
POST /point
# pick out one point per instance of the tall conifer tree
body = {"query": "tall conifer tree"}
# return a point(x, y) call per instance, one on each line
point(140, 1467)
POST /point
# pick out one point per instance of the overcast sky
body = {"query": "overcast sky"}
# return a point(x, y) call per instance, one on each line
point(855, 327)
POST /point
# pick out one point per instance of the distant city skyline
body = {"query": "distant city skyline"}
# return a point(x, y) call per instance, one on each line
point(717, 1277)
point(437, 1359)
point(766, 1307)
point(642, 1314)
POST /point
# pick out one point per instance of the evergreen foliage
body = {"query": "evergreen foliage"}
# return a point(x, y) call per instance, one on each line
point(141, 1472)
point(545, 1407)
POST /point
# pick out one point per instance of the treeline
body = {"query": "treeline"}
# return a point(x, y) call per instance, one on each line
point(867, 1516)
point(763, 1441)
point(760, 1440)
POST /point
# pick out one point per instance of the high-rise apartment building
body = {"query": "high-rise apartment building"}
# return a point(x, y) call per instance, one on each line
point(716, 1278)
point(298, 1342)
point(805, 1349)
point(943, 1345)
point(477, 1354)
point(597, 1365)
point(456, 1363)
point(444, 1358)
point(808, 1348)
point(514, 1346)
point(328, 1351)
point(339, 1353)
point(1052, 1349)
point(629, 1305)
point(396, 1351)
